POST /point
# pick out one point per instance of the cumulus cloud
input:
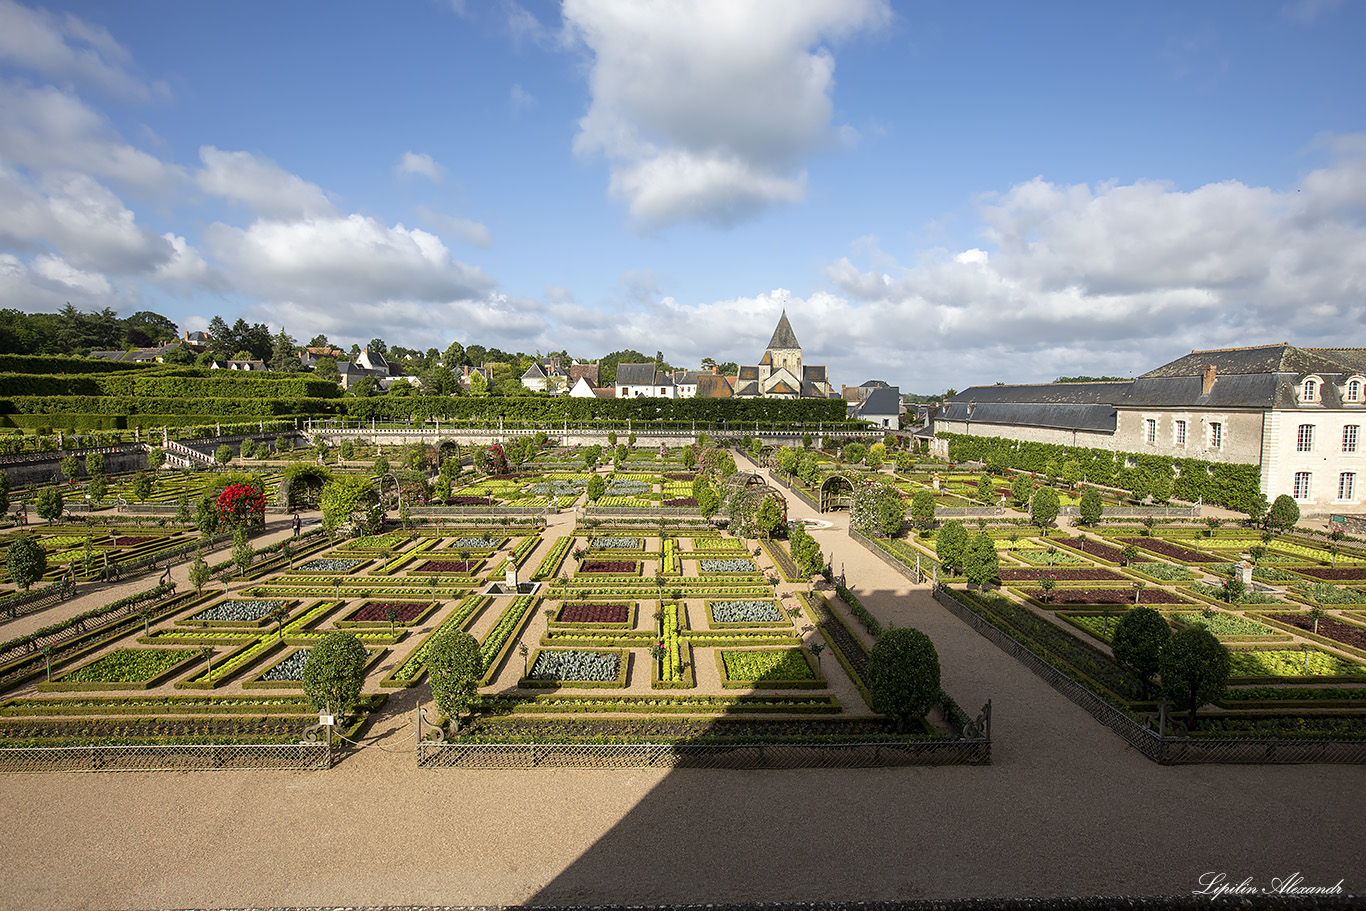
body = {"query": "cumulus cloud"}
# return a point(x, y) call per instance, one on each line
point(263, 186)
point(69, 49)
point(420, 164)
point(327, 261)
point(1119, 278)
point(705, 109)
point(83, 221)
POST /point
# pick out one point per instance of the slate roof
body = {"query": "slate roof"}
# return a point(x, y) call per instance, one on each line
point(1097, 417)
point(874, 383)
point(750, 387)
point(814, 373)
point(749, 373)
point(782, 388)
point(636, 375)
point(1354, 359)
point(1282, 358)
point(883, 400)
point(783, 336)
point(534, 372)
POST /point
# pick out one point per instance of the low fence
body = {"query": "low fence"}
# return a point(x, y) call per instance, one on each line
point(1156, 744)
point(437, 755)
point(456, 512)
point(927, 570)
point(661, 512)
point(179, 757)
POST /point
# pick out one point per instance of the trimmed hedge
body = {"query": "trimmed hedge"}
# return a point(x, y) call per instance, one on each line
point(1233, 485)
point(538, 408)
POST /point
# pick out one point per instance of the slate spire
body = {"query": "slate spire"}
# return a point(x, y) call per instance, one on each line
point(783, 336)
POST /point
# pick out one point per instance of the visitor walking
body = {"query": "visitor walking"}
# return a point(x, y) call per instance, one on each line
point(296, 524)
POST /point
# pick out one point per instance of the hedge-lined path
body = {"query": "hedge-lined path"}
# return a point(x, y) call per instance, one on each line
point(1065, 809)
point(90, 595)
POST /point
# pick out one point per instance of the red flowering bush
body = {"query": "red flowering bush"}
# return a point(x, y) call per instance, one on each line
point(241, 504)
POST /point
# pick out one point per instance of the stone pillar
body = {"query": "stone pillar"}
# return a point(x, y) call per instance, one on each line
point(511, 576)
point(1242, 571)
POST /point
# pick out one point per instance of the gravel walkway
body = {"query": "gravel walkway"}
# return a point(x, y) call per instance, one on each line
point(1066, 809)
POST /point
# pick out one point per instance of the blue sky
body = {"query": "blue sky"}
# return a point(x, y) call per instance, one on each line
point(941, 194)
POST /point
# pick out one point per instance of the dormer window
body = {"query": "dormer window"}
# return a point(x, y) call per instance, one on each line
point(1353, 392)
point(1311, 390)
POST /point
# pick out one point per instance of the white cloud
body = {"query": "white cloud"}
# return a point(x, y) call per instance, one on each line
point(81, 220)
point(1310, 10)
point(263, 186)
point(1119, 278)
point(328, 262)
point(706, 108)
point(55, 269)
point(46, 129)
point(69, 49)
point(421, 164)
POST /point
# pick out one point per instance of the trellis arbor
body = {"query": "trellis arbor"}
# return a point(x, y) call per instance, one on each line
point(837, 492)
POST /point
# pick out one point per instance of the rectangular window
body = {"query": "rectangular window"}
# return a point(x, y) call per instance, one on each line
point(1349, 438)
point(1305, 441)
point(1301, 485)
point(1180, 433)
point(1347, 483)
point(1150, 431)
point(1216, 436)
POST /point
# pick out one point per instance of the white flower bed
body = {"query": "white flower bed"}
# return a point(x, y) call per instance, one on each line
point(238, 611)
point(476, 543)
point(292, 668)
point(615, 544)
point(725, 566)
point(745, 612)
point(575, 665)
point(330, 565)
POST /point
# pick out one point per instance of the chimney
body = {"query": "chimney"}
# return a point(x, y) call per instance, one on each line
point(1207, 379)
point(715, 370)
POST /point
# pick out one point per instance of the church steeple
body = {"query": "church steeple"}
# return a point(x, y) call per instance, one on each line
point(783, 336)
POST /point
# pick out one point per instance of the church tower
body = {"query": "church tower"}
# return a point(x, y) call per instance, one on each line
point(784, 352)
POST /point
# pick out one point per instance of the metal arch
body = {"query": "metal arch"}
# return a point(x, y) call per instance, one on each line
point(396, 492)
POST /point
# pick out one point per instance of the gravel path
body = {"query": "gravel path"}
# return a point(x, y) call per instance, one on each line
point(1066, 809)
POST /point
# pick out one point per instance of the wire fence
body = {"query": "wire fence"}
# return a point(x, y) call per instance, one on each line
point(203, 757)
point(437, 755)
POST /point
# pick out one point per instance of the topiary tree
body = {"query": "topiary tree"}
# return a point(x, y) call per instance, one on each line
point(1195, 667)
point(854, 453)
point(156, 457)
point(71, 467)
point(141, 488)
point(223, 454)
point(1043, 510)
point(922, 509)
point(986, 489)
point(1091, 507)
point(243, 554)
point(1256, 508)
point(1137, 642)
point(334, 673)
point(26, 560)
point(1021, 489)
point(455, 666)
point(49, 504)
point(951, 545)
point(806, 552)
point(596, 488)
point(1285, 513)
point(199, 573)
point(903, 675)
point(1071, 473)
point(980, 563)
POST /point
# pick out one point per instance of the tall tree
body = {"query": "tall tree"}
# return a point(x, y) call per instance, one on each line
point(284, 353)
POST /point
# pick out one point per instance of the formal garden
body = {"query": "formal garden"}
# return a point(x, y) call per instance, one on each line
point(618, 628)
